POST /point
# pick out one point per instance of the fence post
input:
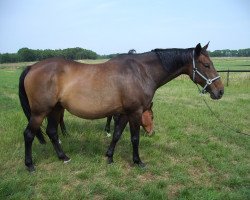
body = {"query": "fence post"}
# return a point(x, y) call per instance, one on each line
point(227, 76)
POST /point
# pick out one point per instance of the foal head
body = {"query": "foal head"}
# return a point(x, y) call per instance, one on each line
point(147, 120)
point(204, 73)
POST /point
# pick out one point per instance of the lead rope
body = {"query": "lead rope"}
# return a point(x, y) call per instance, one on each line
point(209, 82)
point(219, 119)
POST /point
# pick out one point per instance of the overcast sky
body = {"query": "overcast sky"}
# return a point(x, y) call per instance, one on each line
point(115, 26)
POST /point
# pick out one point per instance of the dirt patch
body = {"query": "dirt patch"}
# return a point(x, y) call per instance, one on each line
point(173, 190)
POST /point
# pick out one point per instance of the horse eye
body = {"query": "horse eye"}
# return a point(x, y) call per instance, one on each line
point(207, 65)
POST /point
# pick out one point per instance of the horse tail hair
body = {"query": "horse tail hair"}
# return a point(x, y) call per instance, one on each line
point(22, 94)
point(25, 102)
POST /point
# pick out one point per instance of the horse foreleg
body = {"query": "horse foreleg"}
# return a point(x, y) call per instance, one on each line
point(134, 123)
point(120, 124)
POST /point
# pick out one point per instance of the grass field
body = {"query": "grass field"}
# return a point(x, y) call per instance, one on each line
point(191, 155)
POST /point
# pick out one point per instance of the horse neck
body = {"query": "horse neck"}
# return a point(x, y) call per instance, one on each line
point(158, 72)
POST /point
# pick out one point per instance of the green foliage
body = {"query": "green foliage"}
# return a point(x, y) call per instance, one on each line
point(9, 58)
point(231, 53)
point(77, 53)
point(28, 55)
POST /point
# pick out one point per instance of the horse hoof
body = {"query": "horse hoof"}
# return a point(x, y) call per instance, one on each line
point(108, 134)
point(110, 160)
point(31, 168)
point(66, 161)
point(141, 165)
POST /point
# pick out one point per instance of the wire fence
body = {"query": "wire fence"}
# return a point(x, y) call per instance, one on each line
point(232, 71)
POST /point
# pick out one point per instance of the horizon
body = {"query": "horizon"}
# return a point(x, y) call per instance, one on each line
point(110, 53)
point(116, 26)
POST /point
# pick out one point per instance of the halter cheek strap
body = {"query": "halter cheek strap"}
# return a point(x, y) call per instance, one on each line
point(208, 81)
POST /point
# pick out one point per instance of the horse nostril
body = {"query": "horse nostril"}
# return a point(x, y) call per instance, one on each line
point(221, 92)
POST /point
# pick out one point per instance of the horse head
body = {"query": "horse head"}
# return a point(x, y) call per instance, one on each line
point(204, 73)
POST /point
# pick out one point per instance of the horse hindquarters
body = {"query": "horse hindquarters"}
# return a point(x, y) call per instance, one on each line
point(37, 93)
point(25, 103)
point(34, 122)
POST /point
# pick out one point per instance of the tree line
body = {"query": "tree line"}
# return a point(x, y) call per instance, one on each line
point(230, 53)
point(26, 54)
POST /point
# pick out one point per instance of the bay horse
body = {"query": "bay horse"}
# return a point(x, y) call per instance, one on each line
point(125, 85)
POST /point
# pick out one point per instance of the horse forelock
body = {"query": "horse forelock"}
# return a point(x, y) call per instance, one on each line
point(173, 59)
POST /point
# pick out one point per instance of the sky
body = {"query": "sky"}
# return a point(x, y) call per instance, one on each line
point(116, 26)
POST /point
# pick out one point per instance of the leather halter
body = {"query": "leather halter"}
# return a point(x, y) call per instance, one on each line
point(208, 81)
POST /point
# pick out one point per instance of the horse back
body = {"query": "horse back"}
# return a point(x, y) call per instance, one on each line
point(88, 91)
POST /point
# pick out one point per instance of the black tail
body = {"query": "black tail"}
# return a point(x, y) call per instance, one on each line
point(25, 102)
point(22, 94)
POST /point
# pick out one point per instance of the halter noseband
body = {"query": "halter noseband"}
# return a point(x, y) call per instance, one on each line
point(208, 81)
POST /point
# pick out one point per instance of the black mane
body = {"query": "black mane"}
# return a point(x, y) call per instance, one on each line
point(173, 59)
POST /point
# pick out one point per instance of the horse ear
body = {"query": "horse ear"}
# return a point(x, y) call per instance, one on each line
point(198, 49)
point(206, 46)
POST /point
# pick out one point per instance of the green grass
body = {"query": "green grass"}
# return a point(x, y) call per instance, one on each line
point(242, 63)
point(191, 156)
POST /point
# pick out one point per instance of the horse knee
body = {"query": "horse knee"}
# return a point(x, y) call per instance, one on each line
point(28, 136)
point(135, 139)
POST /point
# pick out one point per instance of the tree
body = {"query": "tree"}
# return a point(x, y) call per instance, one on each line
point(26, 54)
point(8, 58)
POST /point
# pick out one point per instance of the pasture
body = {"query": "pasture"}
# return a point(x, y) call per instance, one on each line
point(191, 156)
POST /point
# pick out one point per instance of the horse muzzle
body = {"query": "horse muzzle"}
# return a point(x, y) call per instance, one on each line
point(216, 94)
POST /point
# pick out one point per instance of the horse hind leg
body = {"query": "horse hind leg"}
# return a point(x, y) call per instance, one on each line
point(53, 121)
point(29, 134)
point(39, 135)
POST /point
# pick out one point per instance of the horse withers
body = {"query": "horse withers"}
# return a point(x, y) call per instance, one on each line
point(124, 85)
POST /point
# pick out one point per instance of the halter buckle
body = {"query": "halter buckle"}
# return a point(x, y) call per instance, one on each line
point(209, 81)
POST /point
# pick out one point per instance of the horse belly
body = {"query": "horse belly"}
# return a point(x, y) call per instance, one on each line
point(92, 106)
